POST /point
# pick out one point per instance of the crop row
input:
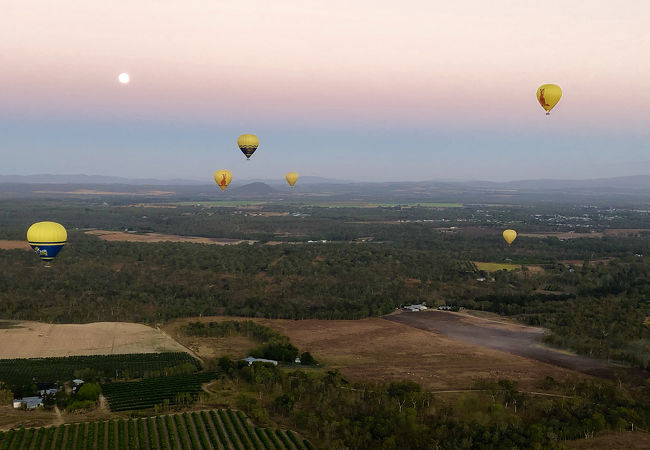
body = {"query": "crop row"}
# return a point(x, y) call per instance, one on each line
point(124, 396)
point(204, 430)
point(17, 371)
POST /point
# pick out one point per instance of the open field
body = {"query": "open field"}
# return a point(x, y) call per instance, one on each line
point(493, 267)
point(381, 350)
point(36, 339)
point(500, 335)
point(121, 236)
point(14, 245)
point(572, 235)
point(616, 441)
point(218, 203)
point(386, 205)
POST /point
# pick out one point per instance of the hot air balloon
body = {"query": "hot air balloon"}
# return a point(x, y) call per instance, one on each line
point(291, 177)
point(509, 236)
point(47, 239)
point(223, 178)
point(548, 95)
point(248, 143)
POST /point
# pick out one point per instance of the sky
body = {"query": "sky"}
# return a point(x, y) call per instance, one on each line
point(367, 90)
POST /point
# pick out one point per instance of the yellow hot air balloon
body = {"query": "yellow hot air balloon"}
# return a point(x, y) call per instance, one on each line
point(223, 178)
point(548, 95)
point(47, 239)
point(509, 236)
point(291, 177)
point(248, 143)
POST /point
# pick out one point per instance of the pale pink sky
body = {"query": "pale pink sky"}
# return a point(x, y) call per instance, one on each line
point(367, 60)
point(434, 88)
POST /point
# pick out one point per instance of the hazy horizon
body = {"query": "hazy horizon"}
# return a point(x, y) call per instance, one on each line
point(369, 91)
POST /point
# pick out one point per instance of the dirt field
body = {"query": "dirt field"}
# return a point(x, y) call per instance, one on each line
point(156, 237)
point(382, 350)
point(12, 245)
point(508, 337)
point(36, 339)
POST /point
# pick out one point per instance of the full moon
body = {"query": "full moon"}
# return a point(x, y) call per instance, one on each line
point(124, 78)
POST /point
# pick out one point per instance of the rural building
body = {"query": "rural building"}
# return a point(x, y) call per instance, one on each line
point(250, 360)
point(29, 402)
point(415, 308)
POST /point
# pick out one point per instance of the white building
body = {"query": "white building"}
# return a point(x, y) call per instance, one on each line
point(250, 360)
point(29, 402)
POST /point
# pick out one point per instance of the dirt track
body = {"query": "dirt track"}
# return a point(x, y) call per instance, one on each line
point(511, 338)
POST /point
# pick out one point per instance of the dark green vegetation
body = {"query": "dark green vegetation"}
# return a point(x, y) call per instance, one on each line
point(414, 256)
point(195, 430)
point(399, 415)
point(178, 390)
point(273, 344)
point(21, 374)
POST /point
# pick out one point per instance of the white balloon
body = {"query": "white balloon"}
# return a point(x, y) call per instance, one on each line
point(124, 78)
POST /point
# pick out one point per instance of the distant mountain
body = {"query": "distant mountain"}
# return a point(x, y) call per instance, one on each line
point(95, 179)
point(256, 188)
point(635, 182)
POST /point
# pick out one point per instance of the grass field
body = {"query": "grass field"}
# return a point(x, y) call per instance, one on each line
point(493, 267)
point(121, 236)
point(198, 430)
point(36, 339)
point(217, 204)
point(379, 350)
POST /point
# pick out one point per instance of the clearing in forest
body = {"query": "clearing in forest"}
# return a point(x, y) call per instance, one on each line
point(36, 339)
point(121, 236)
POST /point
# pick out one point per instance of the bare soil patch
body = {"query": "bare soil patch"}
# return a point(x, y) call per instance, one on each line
point(507, 337)
point(121, 236)
point(37, 339)
point(380, 350)
point(595, 234)
point(14, 245)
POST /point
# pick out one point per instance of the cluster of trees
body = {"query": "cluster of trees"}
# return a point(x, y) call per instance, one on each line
point(340, 414)
point(84, 398)
point(274, 345)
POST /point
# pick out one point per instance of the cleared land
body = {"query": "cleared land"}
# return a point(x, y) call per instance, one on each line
point(615, 441)
point(572, 235)
point(157, 237)
point(493, 267)
point(382, 350)
point(507, 337)
point(14, 245)
point(36, 339)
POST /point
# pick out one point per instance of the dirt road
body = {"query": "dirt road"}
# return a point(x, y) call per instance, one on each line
point(511, 338)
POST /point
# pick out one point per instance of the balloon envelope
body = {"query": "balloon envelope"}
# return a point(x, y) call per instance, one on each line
point(509, 236)
point(291, 177)
point(223, 178)
point(47, 239)
point(248, 143)
point(548, 95)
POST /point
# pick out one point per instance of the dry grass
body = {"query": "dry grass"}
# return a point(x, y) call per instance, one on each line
point(379, 350)
point(615, 441)
point(36, 339)
point(95, 192)
point(157, 237)
point(14, 245)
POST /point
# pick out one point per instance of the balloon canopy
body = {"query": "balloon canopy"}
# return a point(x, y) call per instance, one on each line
point(223, 178)
point(509, 236)
point(548, 95)
point(47, 239)
point(291, 177)
point(248, 143)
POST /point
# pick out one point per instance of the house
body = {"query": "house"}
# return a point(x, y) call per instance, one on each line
point(250, 360)
point(46, 388)
point(29, 402)
point(415, 308)
point(78, 382)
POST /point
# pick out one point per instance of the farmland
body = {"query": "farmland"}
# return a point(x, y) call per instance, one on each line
point(30, 339)
point(170, 390)
point(493, 267)
point(199, 430)
point(19, 373)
